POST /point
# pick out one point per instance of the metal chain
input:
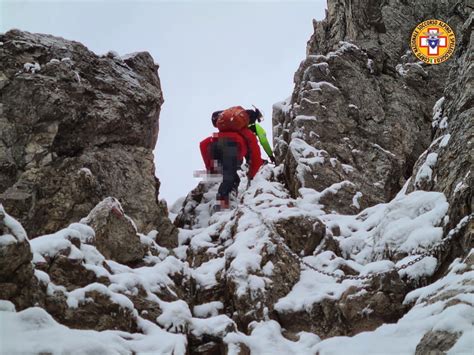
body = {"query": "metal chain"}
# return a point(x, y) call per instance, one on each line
point(435, 250)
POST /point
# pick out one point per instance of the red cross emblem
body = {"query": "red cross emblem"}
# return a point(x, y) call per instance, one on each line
point(434, 37)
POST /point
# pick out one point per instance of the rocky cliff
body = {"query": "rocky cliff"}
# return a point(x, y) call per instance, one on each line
point(361, 102)
point(75, 128)
point(360, 239)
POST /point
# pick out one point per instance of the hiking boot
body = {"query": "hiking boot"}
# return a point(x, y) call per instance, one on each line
point(224, 203)
point(216, 208)
point(221, 205)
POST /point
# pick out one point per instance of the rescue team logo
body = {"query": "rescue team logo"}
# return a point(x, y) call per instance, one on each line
point(433, 41)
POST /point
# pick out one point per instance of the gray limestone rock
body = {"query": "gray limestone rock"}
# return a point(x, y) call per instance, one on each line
point(447, 164)
point(258, 305)
point(360, 112)
point(359, 309)
point(97, 311)
point(18, 283)
point(115, 233)
point(436, 343)
point(15, 249)
point(302, 234)
point(75, 128)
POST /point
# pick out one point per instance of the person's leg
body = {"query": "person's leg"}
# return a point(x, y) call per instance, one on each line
point(217, 154)
point(229, 169)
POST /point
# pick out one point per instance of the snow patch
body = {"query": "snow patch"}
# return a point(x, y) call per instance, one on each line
point(31, 67)
point(437, 111)
point(176, 316)
point(17, 230)
point(321, 85)
point(444, 142)
point(266, 338)
point(78, 296)
point(425, 172)
point(208, 309)
point(355, 199)
point(305, 118)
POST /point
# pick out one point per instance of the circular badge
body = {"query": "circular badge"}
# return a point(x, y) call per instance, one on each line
point(433, 41)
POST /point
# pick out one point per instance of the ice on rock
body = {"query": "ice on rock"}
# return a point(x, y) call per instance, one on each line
point(424, 268)
point(383, 150)
point(42, 277)
point(234, 273)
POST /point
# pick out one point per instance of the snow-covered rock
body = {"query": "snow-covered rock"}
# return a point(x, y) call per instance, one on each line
point(115, 233)
point(371, 99)
point(17, 281)
point(76, 128)
point(330, 252)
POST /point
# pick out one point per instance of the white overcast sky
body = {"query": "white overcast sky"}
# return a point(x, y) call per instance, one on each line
point(212, 55)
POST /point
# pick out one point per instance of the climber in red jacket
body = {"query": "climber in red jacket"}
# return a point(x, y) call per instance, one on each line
point(224, 151)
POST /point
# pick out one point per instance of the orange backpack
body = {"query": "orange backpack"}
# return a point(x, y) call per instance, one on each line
point(232, 119)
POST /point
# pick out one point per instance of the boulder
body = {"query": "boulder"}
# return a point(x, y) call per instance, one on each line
point(279, 280)
point(18, 283)
point(115, 233)
point(187, 216)
point(301, 233)
point(71, 273)
point(436, 343)
point(96, 310)
point(381, 301)
point(75, 128)
point(359, 309)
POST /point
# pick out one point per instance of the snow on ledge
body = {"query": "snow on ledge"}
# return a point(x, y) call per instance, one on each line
point(19, 233)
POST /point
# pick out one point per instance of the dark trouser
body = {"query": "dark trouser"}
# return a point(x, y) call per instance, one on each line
point(226, 153)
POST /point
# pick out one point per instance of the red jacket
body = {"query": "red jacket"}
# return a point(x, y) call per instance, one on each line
point(247, 144)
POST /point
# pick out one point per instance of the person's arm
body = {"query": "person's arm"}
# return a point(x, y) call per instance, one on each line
point(262, 137)
point(254, 151)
